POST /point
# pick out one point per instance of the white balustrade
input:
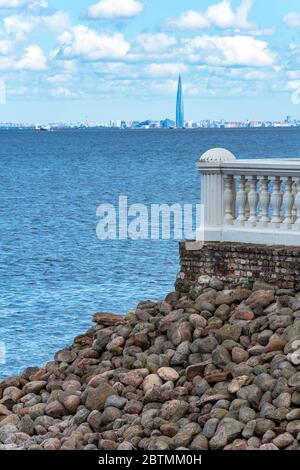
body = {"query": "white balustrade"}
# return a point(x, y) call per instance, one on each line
point(252, 201)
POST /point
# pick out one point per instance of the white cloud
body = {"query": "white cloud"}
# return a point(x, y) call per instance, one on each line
point(293, 85)
point(61, 91)
point(59, 78)
point(229, 50)
point(83, 42)
point(165, 70)
point(13, 3)
point(22, 25)
point(294, 74)
point(56, 22)
point(34, 59)
point(17, 26)
point(6, 46)
point(6, 63)
point(292, 20)
point(155, 42)
point(169, 87)
point(189, 20)
point(223, 16)
point(112, 9)
point(220, 15)
point(38, 4)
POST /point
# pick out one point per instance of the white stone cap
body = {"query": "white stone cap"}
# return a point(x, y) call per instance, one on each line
point(217, 155)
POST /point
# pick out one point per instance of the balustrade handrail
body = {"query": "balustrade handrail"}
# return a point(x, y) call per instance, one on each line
point(274, 166)
point(251, 200)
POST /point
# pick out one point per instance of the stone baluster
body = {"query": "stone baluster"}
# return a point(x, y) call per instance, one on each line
point(234, 191)
point(241, 200)
point(228, 200)
point(247, 206)
point(253, 201)
point(294, 209)
point(288, 202)
point(296, 225)
point(276, 200)
point(264, 201)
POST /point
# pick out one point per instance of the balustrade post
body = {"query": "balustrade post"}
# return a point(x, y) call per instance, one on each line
point(253, 201)
point(241, 200)
point(296, 225)
point(288, 202)
point(276, 200)
point(294, 209)
point(228, 200)
point(264, 201)
point(217, 192)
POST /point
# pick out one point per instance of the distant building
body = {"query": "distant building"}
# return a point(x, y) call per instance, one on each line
point(179, 106)
point(167, 123)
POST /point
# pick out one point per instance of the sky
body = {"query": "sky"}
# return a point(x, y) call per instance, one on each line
point(101, 60)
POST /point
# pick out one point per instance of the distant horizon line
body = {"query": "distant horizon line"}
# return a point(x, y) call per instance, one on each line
point(127, 123)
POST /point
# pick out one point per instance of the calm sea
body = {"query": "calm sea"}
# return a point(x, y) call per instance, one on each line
point(54, 272)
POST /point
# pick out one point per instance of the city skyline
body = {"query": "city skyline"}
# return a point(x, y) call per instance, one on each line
point(118, 59)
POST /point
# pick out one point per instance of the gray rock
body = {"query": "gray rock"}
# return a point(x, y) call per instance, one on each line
point(55, 409)
point(260, 298)
point(296, 398)
point(221, 357)
point(268, 447)
point(204, 345)
point(249, 429)
point(265, 382)
point(223, 312)
point(95, 420)
point(210, 427)
point(81, 416)
point(103, 338)
point(293, 427)
point(66, 355)
point(34, 387)
point(185, 435)
point(293, 415)
point(6, 431)
point(263, 425)
point(228, 332)
point(115, 401)
point(174, 410)
point(200, 442)
point(283, 440)
point(252, 394)
point(96, 397)
point(246, 414)
point(27, 425)
point(279, 321)
point(227, 431)
point(179, 333)
point(181, 354)
point(110, 414)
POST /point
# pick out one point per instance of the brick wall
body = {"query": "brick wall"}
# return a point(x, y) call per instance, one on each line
point(238, 263)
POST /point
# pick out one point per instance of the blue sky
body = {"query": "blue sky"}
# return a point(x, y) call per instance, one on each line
point(64, 60)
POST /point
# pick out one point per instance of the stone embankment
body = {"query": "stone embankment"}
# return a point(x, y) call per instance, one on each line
point(206, 369)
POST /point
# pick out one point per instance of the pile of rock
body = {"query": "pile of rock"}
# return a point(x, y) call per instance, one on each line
point(207, 369)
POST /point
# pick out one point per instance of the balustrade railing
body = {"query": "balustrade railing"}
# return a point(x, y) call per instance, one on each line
point(252, 201)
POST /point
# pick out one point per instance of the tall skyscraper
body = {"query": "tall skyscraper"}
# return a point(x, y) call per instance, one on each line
point(179, 106)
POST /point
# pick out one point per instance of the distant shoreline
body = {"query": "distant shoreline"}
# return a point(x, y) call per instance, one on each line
point(59, 129)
